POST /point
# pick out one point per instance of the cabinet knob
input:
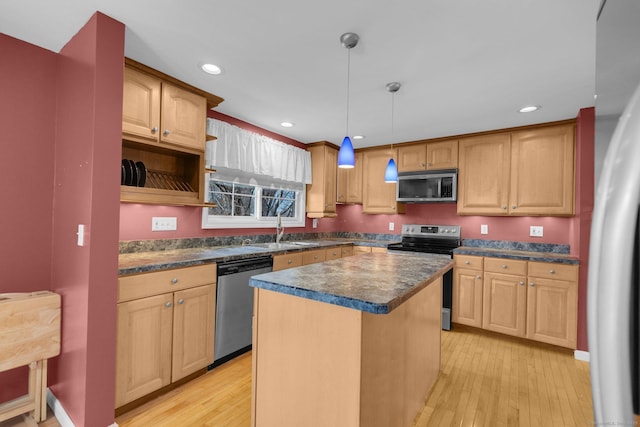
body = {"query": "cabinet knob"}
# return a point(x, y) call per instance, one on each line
point(393, 208)
point(289, 261)
point(532, 284)
point(174, 280)
point(504, 207)
point(168, 305)
point(504, 266)
point(315, 257)
point(335, 253)
point(166, 132)
point(513, 206)
point(154, 129)
point(552, 272)
point(478, 277)
point(181, 301)
point(521, 283)
point(467, 262)
point(422, 164)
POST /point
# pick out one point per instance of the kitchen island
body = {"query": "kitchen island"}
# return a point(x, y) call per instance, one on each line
point(348, 342)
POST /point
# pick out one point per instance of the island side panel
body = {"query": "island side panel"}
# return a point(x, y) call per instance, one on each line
point(307, 363)
point(401, 359)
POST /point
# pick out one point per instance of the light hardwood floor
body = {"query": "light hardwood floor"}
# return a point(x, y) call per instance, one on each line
point(487, 379)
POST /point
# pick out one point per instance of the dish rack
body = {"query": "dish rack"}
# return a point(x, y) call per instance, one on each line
point(167, 181)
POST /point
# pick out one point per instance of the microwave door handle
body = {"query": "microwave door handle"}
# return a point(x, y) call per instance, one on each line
point(611, 257)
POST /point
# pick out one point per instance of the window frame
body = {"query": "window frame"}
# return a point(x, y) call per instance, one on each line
point(257, 220)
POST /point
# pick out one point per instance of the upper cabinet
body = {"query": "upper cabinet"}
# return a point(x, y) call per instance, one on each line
point(428, 156)
point(527, 172)
point(155, 112)
point(378, 197)
point(350, 183)
point(163, 138)
point(321, 193)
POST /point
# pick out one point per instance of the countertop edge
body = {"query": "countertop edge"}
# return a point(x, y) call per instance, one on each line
point(518, 255)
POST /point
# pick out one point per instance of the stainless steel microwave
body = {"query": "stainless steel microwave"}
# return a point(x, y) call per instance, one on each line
point(427, 186)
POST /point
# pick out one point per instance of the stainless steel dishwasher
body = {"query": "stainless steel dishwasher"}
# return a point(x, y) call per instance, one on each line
point(234, 306)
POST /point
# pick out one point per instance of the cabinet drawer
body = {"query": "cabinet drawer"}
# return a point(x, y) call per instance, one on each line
point(468, 261)
point(357, 250)
point(347, 251)
point(333, 253)
point(550, 270)
point(505, 266)
point(311, 257)
point(160, 282)
point(282, 262)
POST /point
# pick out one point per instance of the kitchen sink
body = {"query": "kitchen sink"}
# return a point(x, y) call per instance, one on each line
point(275, 245)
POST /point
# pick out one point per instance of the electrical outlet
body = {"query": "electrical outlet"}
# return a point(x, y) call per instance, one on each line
point(164, 223)
point(536, 231)
point(80, 234)
point(484, 229)
point(392, 226)
point(314, 223)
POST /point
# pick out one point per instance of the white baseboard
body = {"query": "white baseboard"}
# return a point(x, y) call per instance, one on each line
point(581, 355)
point(61, 415)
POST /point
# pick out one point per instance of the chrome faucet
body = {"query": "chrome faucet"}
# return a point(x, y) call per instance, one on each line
point(279, 229)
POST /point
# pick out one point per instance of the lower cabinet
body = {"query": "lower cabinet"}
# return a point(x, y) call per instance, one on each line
point(467, 291)
point(534, 300)
point(296, 259)
point(165, 328)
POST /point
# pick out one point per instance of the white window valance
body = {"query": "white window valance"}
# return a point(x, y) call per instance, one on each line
point(252, 153)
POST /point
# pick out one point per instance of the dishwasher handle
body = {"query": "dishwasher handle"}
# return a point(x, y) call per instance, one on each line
point(238, 266)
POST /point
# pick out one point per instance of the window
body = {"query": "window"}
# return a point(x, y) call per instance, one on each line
point(247, 203)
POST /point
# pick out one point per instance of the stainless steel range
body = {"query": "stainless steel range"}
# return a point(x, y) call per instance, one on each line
point(433, 239)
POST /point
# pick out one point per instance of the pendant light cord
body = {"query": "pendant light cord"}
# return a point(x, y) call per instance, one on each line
point(348, 87)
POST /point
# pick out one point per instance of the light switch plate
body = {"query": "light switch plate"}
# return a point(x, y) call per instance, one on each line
point(484, 229)
point(164, 223)
point(536, 231)
point(80, 234)
point(392, 226)
point(314, 223)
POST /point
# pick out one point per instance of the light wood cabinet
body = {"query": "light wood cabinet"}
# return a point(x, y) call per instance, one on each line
point(347, 251)
point(321, 193)
point(483, 174)
point(163, 336)
point(378, 197)
point(428, 156)
point(350, 183)
point(542, 171)
point(159, 112)
point(333, 253)
point(358, 250)
point(314, 256)
point(552, 303)
point(282, 262)
point(163, 127)
point(505, 296)
point(528, 172)
point(528, 299)
point(467, 292)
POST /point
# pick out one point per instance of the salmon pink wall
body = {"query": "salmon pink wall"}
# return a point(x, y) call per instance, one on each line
point(27, 85)
point(87, 155)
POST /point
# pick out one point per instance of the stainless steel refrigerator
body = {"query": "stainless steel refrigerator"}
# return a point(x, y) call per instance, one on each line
point(613, 288)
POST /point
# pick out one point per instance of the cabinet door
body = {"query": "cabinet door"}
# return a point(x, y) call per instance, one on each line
point(193, 329)
point(354, 183)
point(321, 193)
point(442, 155)
point(542, 171)
point(140, 106)
point(412, 158)
point(505, 304)
point(552, 311)
point(467, 297)
point(483, 178)
point(342, 184)
point(378, 197)
point(143, 348)
point(184, 117)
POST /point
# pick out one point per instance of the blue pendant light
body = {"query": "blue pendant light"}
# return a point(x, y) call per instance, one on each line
point(346, 155)
point(391, 172)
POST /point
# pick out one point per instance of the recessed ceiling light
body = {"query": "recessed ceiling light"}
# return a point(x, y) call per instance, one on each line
point(286, 124)
point(358, 136)
point(529, 108)
point(211, 69)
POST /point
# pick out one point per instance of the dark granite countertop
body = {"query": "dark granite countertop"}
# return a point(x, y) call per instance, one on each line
point(375, 283)
point(143, 262)
point(517, 254)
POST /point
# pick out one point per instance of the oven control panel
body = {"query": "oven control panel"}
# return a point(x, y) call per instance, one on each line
point(430, 230)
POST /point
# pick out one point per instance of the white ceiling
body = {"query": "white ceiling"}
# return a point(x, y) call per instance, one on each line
point(464, 65)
